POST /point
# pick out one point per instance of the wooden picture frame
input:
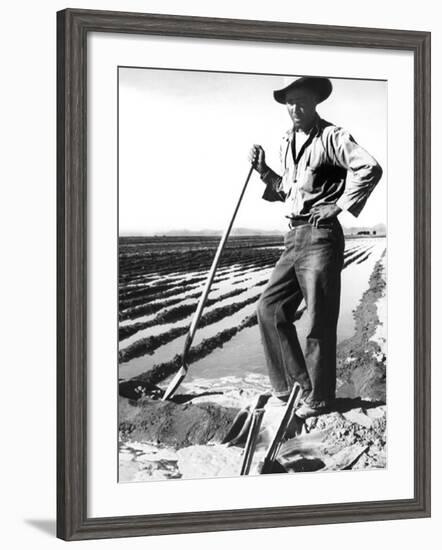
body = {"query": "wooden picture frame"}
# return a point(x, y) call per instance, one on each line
point(73, 27)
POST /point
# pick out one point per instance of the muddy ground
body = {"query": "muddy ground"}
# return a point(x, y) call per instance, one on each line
point(173, 424)
point(162, 440)
point(361, 359)
point(183, 438)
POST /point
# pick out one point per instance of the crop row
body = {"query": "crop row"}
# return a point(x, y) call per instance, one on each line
point(146, 346)
point(186, 261)
point(139, 295)
point(355, 257)
point(363, 258)
point(173, 289)
point(161, 371)
point(150, 344)
point(174, 314)
point(128, 330)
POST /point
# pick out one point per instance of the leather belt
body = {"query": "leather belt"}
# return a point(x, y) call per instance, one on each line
point(297, 220)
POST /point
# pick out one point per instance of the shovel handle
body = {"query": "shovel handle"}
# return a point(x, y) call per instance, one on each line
point(273, 449)
point(250, 447)
point(210, 276)
point(173, 386)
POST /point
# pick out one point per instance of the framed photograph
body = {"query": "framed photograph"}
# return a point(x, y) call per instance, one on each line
point(243, 274)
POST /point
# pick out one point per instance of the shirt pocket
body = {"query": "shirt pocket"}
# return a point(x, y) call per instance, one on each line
point(307, 179)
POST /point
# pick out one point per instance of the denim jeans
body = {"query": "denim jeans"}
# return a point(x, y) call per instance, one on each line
point(310, 269)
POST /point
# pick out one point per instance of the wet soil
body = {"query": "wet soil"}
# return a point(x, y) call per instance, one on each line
point(350, 437)
point(172, 424)
point(361, 361)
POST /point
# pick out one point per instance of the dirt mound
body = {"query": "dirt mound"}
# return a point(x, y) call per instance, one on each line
point(353, 439)
point(171, 424)
point(185, 441)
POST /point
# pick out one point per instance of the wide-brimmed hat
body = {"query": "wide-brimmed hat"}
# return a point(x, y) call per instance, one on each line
point(320, 86)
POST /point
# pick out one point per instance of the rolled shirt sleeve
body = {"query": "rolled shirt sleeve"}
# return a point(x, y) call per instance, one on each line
point(273, 191)
point(274, 188)
point(363, 171)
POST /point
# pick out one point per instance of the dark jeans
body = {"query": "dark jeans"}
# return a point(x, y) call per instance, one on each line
point(310, 268)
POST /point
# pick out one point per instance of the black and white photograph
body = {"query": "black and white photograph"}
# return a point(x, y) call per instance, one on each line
point(252, 274)
point(218, 232)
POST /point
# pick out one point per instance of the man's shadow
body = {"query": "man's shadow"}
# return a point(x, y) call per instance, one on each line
point(345, 404)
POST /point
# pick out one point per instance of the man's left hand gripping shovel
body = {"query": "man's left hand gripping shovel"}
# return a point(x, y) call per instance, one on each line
point(181, 374)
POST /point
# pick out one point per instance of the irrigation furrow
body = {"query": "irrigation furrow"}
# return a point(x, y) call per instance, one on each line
point(361, 260)
point(155, 288)
point(224, 266)
point(152, 277)
point(173, 315)
point(185, 262)
point(144, 308)
point(353, 258)
point(161, 371)
point(352, 251)
point(146, 346)
point(146, 294)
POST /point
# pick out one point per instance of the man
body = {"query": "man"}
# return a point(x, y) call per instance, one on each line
point(324, 171)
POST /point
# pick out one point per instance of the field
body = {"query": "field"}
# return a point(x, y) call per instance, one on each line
point(161, 279)
point(160, 282)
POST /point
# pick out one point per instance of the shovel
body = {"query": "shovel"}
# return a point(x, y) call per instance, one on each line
point(270, 464)
point(252, 438)
point(181, 374)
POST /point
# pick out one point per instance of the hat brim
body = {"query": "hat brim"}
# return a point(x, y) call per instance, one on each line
point(319, 86)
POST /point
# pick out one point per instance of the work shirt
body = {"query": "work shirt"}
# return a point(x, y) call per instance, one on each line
point(330, 168)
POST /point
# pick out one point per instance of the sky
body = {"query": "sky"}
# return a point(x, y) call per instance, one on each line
point(184, 138)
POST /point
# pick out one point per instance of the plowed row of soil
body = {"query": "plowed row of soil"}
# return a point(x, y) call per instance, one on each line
point(243, 261)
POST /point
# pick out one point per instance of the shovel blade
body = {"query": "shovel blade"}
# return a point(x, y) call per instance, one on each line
point(174, 384)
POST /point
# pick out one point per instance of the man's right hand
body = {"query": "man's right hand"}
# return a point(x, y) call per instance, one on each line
point(257, 158)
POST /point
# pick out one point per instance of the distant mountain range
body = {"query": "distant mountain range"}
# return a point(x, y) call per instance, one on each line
point(379, 229)
point(240, 231)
